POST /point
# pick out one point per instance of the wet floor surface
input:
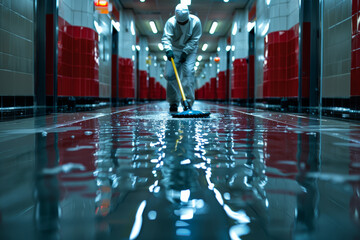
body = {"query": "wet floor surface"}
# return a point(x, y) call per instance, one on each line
point(136, 173)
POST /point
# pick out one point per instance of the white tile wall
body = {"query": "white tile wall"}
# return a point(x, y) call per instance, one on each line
point(16, 48)
point(337, 49)
point(77, 18)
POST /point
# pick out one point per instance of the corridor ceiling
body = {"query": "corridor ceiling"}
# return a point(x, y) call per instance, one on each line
point(207, 10)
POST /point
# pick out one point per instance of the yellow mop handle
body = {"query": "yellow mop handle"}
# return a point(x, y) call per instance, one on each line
point(178, 80)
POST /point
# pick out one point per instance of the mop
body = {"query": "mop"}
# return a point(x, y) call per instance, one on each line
point(188, 112)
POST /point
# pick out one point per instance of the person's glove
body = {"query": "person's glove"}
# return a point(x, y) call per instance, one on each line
point(183, 57)
point(169, 54)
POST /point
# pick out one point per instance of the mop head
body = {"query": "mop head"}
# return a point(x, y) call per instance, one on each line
point(191, 114)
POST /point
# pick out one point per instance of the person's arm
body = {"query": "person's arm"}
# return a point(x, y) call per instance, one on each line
point(194, 40)
point(167, 36)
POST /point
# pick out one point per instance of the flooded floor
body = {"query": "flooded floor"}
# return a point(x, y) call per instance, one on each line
point(136, 173)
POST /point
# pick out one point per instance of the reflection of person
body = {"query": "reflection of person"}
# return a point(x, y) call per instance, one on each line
point(180, 40)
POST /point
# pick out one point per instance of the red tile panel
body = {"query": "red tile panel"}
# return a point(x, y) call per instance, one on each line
point(355, 50)
point(281, 66)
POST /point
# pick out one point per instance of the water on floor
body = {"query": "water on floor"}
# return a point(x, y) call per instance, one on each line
point(136, 173)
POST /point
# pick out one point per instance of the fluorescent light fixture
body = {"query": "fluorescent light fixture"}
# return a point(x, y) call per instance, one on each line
point(165, 58)
point(250, 26)
point(97, 27)
point(199, 58)
point(233, 48)
point(197, 64)
point(132, 28)
point(186, 2)
point(153, 27)
point(213, 27)
point(116, 25)
point(204, 47)
point(138, 47)
point(218, 49)
point(234, 30)
point(161, 47)
point(228, 48)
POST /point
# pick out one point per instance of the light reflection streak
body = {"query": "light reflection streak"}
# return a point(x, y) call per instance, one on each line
point(138, 221)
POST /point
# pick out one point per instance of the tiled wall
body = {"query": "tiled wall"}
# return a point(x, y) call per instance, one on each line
point(84, 55)
point(16, 50)
point(337, 49)
point(276, 50)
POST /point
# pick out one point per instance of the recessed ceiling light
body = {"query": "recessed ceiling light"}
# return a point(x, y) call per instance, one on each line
point(213, 27)
point(153, 27)
point(161, 47)
point(204, 47)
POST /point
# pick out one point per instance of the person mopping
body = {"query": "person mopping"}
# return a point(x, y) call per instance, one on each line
point(180, 40)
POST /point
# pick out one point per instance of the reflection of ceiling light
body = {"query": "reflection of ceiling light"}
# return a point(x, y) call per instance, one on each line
point(234, 30)
point(218, 49)
point(228, 47)
point(196, 68)
point(250, 26)
point(153, 27)
point(199, 58)
point(160, 46)
point(142, 0)
point(165, 58)
point(132, 28)
point(147, 49)
point(197, 64)
point(133, 47)
point(233, 48)
point(116, 25)
point(186, 2)
point(138, 47)
point(204, 47)
point(97, 27)
point(213, 27)
point(226, 0)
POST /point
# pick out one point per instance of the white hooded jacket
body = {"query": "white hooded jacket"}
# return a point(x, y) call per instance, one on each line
point(172, 35)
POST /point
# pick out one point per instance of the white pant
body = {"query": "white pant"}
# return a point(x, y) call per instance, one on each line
point(187, 76)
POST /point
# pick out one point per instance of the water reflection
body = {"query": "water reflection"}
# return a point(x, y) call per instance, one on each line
point(238, 176)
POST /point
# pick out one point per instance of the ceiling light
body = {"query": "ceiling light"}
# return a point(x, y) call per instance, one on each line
point(213, 27)
point(234, 30)
point(165, 58)
point(197, 64)
point(142, 0)
point(204, 47)
point(226, 0)
point(196, 68)
point(228, 47)
point(138, 47)
point(199, 58)
point(186, 2)
point(233, 48)
point(133, 47)
point(160, 46)
point(147, 49)
point(153, 27)
point(218, 49)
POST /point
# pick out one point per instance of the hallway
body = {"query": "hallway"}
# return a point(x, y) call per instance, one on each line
point(135, 172)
